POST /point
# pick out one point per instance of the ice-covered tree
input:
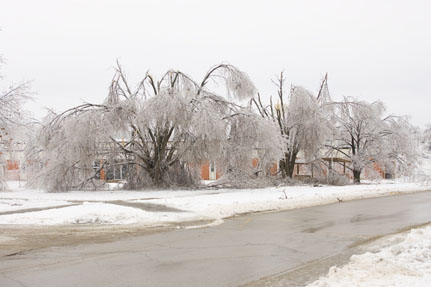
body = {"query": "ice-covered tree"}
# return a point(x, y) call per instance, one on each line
point(302, 121)
point(163, 130)
point(426, 137)
point(367, 136)
point(12, 116)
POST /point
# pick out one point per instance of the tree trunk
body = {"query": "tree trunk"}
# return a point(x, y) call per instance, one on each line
point(356, 176)
point(156, 172)
point(157, 176)
point(287, 166)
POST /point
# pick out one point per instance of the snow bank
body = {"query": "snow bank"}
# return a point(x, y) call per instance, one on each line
point(91, 213)
point(226, 203)
point(405, 262)
point(107, 207)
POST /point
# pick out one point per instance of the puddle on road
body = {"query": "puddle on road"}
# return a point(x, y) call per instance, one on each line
point(151, 207)
point(365, 217)
point(320, 227)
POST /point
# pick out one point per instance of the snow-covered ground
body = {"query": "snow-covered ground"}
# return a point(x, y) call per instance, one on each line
point(155, 208)
point(398, 261)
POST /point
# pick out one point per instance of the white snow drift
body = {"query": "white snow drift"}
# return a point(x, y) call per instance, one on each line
point(176, 205)
point(405, 262)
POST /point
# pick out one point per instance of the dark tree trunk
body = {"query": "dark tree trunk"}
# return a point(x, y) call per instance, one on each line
point(157, 173)
point(356, 176)
point(157, 177)
point(287, 165)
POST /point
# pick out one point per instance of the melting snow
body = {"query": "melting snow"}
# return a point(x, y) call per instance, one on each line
point(191, 205)
point(405, 262)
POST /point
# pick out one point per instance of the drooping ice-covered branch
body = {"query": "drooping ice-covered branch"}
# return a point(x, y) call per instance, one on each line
point(162, 130)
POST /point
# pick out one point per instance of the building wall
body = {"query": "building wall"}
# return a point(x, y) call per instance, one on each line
point(207, 173)
point(12, 170)
point(11, 160)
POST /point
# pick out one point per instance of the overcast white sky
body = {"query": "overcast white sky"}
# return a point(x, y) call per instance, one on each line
point(371, 49)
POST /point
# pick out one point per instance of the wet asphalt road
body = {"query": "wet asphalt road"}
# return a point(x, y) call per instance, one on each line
point(241, 250)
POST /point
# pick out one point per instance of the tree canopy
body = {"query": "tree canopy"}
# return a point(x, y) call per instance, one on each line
point(12, 116)
point(161, 129)
point(367, 136)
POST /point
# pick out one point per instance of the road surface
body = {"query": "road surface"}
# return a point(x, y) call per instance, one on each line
point(242, 250)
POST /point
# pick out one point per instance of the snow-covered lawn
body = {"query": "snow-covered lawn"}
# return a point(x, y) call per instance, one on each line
point(405, 261)
point(89, 212)
point(167, 206)
point(16, 204)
